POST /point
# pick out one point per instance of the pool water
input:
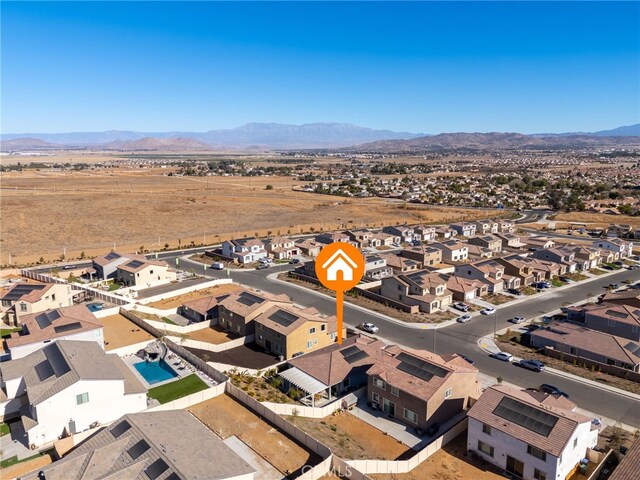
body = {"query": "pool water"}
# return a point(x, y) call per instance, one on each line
point(95, 307)
point(155, 372)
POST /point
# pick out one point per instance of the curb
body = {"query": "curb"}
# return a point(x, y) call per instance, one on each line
point(570, 376)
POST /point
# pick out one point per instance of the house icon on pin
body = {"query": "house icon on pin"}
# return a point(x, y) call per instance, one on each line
point(339, 262)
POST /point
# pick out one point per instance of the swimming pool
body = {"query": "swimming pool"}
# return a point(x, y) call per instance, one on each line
point(155, 372)
point(95, 307)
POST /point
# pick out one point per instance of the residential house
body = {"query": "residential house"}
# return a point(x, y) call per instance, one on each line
point(550, 269)
point(308, 247)
point(68, 387)
point(106, 266)
point(237, 312)
point(624, 248)
point(332, 237)
point(630, 298)
point(384, 239)
point(526, 437)
point(420, 388)
point(453, 251)
point(464, 229)
point(518, 266)
point(150, 446)
point(488, 272)
point(405, 232)
point(562, 255)
point(26, 298)
point(586, 257)
point(492, 242)
point(425, 255)
point(465, 289)
point(445, 232)
point(290, 331)
point(427, 290)
point(66, 323)
point(202, 309)
point(619, 320)
point(376, 268)
point(511, 241)
point(145, 273)
point(589, 344)
point(476, 252)
point(484, 227)
point(624, 230)
point(244, 250)
point(334, 370)
point(281, 248)
point(400, 264)
point(506, 226)
point(362, 238)
point(538, 243)
point(425, 233)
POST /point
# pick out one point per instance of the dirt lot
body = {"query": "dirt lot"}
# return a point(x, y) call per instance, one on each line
point(227, 417)
point(449, 463)
point(174, 302)
point(597, 219)
point(211, 335)
point(525, 352)
point(246, 356)
point(136, 208)
point(120, 332)
point(497, 298)
point(352, 439)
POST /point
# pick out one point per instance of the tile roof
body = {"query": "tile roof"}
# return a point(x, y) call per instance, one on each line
point(113, 256)
point(629, 466)
point(554, 443)
point(288, 320)
point(26, 292)
point(204, 305)
point(248, 303)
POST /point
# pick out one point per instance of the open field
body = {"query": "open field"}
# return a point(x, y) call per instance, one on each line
point(352, 439)
point(227, 417)
point(597, 219)
point(132, 208)
point(120, 332)
point(448, 463)
point(174, 302)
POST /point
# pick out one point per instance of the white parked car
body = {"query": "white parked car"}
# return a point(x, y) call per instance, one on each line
point(504, 356)
point(517, 320)
point(463, 319)
point(488, 311)
point(369, 327)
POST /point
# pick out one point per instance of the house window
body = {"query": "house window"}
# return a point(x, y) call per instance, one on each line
point(260, 337)
point(409, 415)
point(538, 475)
point(53, 297)
point(574, 351)
point(151, 272)
point(448, 392)
point(575, 442)
point(395, 391)
point(323, 328)
point(635, 328)
point(379, 383)
point(23, 307)
point(82, 398)
point(312, 330)
point(259, 327)
point(536, 452)
point(315, 341)
point(486, 429)
point(278, 335)
point(347, 382)
point(375, 397)
point(485, 448)
point(309, 344)
point(400, 287)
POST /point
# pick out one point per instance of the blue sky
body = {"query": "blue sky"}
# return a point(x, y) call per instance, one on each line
point(420, 67)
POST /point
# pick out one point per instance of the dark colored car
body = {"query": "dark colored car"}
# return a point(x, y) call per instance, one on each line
point(295, 261)
point(262, 267)
point(551, 390)
point(607, 267)
point(514, 291)
point(565, 279)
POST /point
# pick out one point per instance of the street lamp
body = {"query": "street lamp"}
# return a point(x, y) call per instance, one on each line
point(495, 324)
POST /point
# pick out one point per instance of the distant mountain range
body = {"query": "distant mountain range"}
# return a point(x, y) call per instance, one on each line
point(275, 136)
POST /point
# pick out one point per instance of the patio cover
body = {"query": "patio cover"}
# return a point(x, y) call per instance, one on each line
point(303, 381)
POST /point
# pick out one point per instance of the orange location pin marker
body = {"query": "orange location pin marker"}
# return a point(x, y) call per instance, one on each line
point(339, 267)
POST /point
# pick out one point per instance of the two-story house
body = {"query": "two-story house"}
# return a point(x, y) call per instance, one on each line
point(453, 251)
point(427, 290)
point(623, 248)
point(106, 266)
point(25, 298)
point(425, 233)
point(619, 320)
point(485, 227)
point(405, 232)
point(586, 257)
point(290, 331)
point(66, 323)
point(70, 386)
point(362, 238)
point(487, 271)
point(244, 250)
point(425, 255)
point(145, 273)
point(386, 239)
point(507, 226)
point(511, 241)
point(463, 228)
point(203, 309)
point(308, 247)
point(400, 264)
point(237, 312)
point(445, 233)
point(538, 243)
point(281, 248)
point(529, 436)
point(492, 242)
point(465, 289)
point(420, 388)
point(332, 237)
point(376, 268)
point(517, 265)
point(562, 255)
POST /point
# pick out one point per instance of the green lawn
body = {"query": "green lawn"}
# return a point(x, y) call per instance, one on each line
point(13, 460)
point(557, 283)
point(6, 332)
point(4, 429)
point(114, 286)
point(178, 389)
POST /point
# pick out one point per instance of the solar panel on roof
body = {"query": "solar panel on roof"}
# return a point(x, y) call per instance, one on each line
point(615, 313)
point(57, 360)
point(138, 449)
point(135, 263)
point(526, 416)
point(173, 476)
point(120, 428)
point(249, 299)
point(283, 317)
point(46, 318)
point(633, 348)
point(156, 469)
point(68, 327)
point(353, 354)
point(419, 368)
point(112, 256)
point(19, 290)
point(44, 370)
